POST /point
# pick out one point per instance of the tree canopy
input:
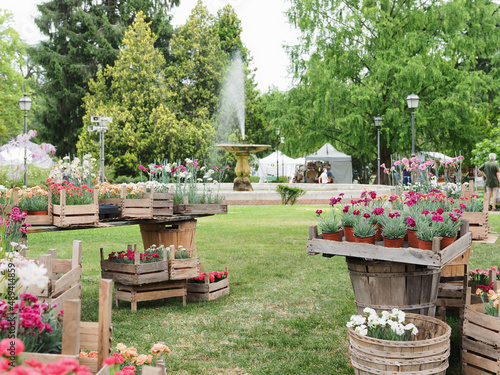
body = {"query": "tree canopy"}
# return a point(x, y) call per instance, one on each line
point(360, 59)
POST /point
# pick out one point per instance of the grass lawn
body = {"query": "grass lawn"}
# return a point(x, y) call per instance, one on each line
point(286, 311)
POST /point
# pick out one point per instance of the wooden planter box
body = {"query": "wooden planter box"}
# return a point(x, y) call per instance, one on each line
point(65, 280)
point(150, 292)
point(183, 269)
point(478, 224)
point(136, 208)
point(480, 341)
point(34, 220)
point(200, 209)
point(77, 335)
point(163, 204)
point(427, 354)
point(137, 273)
point(146, 370)
point(177, 233)
point(207, 291)
point(83, 215)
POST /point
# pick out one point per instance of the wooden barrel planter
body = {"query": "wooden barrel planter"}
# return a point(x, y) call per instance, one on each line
point(384, 285)
point(426, 354)
point(177, 233)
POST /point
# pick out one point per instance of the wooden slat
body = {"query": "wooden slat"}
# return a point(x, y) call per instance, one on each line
point(71, 327)
point(67, 280)
point(89, 335)
point(104, 336)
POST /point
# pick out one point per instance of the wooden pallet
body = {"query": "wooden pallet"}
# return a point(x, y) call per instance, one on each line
point(65, 277)
point(150, 292)
point(137, 273)
point(207, 291)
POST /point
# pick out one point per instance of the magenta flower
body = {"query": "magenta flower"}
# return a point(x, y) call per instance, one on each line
point(319, 212)
point(425, 212)
point(366, 216)
point(356, 212)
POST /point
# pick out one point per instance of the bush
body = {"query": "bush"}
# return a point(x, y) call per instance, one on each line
point(289, 194)
point(127, 180)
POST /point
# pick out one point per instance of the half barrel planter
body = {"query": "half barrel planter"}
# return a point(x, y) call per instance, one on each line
point(427, 353)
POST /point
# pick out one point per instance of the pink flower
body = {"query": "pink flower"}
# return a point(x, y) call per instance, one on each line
point(319, 212)
point(356, 212)
point(346, 209)
point(366, 216)
point(425, 212)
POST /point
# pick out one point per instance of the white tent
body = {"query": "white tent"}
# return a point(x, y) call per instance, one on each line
point(437, 156)
point(286, 165)
point(341, 163)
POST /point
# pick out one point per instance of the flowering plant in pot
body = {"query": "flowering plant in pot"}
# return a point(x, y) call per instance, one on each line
point(364, 229)
point(350, 215)
point(329, 223)
point(394, 228)
point(384, 326)
point(34, 199)
point(448, 225)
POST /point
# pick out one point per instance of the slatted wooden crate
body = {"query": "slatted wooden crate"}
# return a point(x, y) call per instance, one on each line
point(163, 204)
point(137, 273)
point(136, 208)
point(35, 219)
point(183, 269)
point(81, 215)
point(200, 209)
point(480, 340)
point(177, 233)
point(65, 280)
point(207, 291)
point(150, 292)
point(478, 224)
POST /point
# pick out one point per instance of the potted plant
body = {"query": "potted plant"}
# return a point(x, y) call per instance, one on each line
point(426, 231)
point(34, 200)
point(330, 225)
point(349, 217)
point(393, 230)
point(376, 218)
point(411, 231)
point(448, 226)
point(364, 231)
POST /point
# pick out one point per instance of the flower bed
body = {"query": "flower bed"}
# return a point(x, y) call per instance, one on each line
point(208, 286)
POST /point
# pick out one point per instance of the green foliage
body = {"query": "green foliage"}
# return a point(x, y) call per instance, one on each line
point(289, 194)
point(362, 228)
point(12, 50)
point(357, 60)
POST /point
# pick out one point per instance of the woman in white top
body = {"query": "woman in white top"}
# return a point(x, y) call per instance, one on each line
point(323, 178)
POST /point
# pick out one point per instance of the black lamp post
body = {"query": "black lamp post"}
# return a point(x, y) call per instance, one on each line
point(412, 101)
point(378, 122)
point(277, 156)
point(25, 105)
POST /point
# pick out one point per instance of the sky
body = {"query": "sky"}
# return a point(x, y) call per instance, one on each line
point(265, 30)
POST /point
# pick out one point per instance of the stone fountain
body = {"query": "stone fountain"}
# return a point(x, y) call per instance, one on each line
point(233, 105)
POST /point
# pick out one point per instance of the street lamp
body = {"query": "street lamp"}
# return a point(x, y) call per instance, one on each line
point(25, 105)
point(101, 129)
point(277, 156)
point(412, 101)
point(378, 122)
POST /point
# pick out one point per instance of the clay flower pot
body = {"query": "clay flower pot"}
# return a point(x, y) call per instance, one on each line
point(337, 236)
point(394, 242)
point(349, 234)
point(370, 240)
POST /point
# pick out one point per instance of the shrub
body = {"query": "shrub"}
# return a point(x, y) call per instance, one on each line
point(289, 194)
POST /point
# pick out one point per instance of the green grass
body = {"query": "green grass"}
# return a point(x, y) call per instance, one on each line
point(286, 311)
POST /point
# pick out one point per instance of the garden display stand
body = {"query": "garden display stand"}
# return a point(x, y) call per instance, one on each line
point(480, 339)
point(384, 278)
point(65, 280)
point(207, 291)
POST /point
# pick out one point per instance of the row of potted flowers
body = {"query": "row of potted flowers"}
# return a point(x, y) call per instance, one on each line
point(366, 220)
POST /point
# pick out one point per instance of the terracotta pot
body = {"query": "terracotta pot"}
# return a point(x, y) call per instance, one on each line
point(394, 242)
point(366, 239)
point(45, 212)
point(333, 236)
point(378, 233)
point(349, 234)
point(446, 241)
point(424, 245)
point(412, 238)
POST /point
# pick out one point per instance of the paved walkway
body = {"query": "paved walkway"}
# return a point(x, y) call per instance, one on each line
point(265, 193)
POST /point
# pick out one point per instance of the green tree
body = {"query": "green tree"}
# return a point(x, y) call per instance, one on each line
point(12, 60)
point(83, 37)
point(361, 59)
point(143, 127)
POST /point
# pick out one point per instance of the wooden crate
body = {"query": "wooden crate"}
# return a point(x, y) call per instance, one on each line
point(177, 233)
point(65, 277)
point(150, 292)
point(137, 273)
point(163, 204)
point(183, 269)
point(200, 209)
point(478, 224)
point(34, 219)
point(207, 291)
point(136, 208)
point(480, 340)
point(467, 192)
point(82, 215)
point(96, 336)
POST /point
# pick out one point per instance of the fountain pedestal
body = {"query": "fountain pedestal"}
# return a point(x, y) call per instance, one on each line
point(242, 169)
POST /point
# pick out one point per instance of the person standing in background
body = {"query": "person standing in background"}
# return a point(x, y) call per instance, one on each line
point(329, 174)
point(323, 178)
point(491, 171)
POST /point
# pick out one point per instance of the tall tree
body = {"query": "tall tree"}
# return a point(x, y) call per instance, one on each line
point(83, 37)
point(359, 59)
point(143, 128)
point(12, 60)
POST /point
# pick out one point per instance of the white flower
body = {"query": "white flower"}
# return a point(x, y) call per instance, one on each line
point(33, 274)
point(358, 319)
point(412, 327)
point(399, 329)
point(362, 330)
point(369, 311)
